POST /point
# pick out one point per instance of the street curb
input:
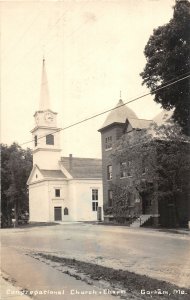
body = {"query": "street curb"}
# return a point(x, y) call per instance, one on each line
point(9, 290)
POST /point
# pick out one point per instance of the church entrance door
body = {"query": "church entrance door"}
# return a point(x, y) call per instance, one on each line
point(58, 213)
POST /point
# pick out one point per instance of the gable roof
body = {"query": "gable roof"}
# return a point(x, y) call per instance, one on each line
point(44, 175)
point(52, 174)
point(83, 167)
point(34, 169)
point(139, 123)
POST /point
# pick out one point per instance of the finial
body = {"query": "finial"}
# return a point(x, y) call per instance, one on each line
point(43, 50)
point(120, 94)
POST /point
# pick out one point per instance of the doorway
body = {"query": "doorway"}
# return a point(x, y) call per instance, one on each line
point(58, 213)
point(146, 204)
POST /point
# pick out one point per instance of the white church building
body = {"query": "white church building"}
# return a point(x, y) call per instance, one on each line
point(60, 188)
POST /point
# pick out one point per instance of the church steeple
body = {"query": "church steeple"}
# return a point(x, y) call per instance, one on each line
point(46, 135)
point(45, 116)
point(44, 90)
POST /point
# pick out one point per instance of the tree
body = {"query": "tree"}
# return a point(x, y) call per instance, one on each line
point(168, 57)
point(5, 176)
point(16, 167)
point(160, 167)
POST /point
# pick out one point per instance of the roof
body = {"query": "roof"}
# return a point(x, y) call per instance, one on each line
point(163, 116)
point(119, 115)
point(52, 173)
point(139, 123)
point(83, 167)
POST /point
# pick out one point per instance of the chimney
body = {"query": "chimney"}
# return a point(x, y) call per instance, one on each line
point(70, 161)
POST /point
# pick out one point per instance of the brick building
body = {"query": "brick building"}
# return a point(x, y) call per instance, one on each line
point(143, 208)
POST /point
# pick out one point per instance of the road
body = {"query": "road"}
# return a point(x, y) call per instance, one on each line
point(161, 255)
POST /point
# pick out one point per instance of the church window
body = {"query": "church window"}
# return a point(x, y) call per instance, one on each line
point(94, 195)
point(94, 206)
point(57, 192)
point(66, 211)
point(108, 142)
point(49, 139)
point(94, 199)
point(35, 140)
point(109, 172)
point(110, 198)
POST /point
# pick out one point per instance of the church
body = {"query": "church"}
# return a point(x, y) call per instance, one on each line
point(60, 188)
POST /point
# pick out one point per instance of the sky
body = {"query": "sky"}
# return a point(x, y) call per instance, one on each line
point(93, 50)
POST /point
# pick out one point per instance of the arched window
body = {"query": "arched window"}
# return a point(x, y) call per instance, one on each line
point(49, 139)
point(66, 211)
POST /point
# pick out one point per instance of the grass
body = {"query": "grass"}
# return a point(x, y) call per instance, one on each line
point(131, 282)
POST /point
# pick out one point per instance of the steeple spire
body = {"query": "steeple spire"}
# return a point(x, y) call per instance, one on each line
point(120, 100)
point(44, 92)
point(120, 94)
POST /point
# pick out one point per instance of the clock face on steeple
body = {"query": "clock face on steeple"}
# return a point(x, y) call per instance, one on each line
point(49, 117)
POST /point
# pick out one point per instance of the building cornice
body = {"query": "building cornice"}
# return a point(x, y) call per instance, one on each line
point(49, 179)
point(110, 125)
point(45, 127)
point(46, 149)
point(64, 179)
point(88, 179)
point(43, 111)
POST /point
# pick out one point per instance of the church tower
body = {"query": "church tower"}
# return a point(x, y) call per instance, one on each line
point(46, 134)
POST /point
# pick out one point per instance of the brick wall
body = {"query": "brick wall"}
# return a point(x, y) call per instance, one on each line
point(115, 131)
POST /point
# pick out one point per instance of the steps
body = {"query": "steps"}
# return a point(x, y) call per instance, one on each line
point(140, 221)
